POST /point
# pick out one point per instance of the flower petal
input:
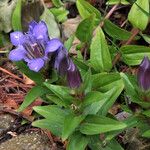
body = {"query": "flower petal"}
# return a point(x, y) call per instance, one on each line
point(32, 24)
point(143, 74)
point(36, 64)
point(53, 45)
point(61, 62)
point(17, 54)
point(16, 38)
point(40, 31)
point(73, 76)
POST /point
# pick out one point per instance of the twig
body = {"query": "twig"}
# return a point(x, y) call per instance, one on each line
point(11, 74)
point(109, 14)
point(134, 31)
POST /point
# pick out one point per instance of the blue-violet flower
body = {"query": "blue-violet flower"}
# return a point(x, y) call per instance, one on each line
point(143, 74)
point(33, 47)
point(36, 48)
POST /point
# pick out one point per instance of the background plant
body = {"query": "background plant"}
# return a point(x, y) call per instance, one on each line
point(82, 115)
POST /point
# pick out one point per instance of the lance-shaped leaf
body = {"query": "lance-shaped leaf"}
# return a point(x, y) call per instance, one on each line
point(71, 122)
point(99, 124)
point(133, 54)
point(16, 17)
point(60, 91)
point(54, 118)
point(85, 29)
point(34, 93)
point(137, 17)
point(77, 142)
point(116, 32)
point(53, 28)
point(100, 58)
point(86, 9)
point(35, 76)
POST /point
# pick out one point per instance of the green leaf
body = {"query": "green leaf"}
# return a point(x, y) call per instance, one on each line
point(116, 32)
point(99, 124)
point(131, 122)
point(85, 9)
point(108, 82)
point(49, 19)
point(113, 2)
point(96, 102)
point(85, 29)
point(77, 142)
point(57, 100)
point(60, 13)
point(34, 93)
point(54, 118)
point(35, 76)
point(96, 144)
point(132, 90)
point(100, 58)
point(146, 113)
point(92, 97)
point(6, 11)
point(130, 85)
point(145, 12)
point(57, 3)
point(68, 43)
point(16, 17)
point(142, 20)
point(146, 134)
point(134, 54)
point(146, 38)
point(103, 102)
point(60, 91)
point(71, 122)
point(53, 127)
point(87, 83)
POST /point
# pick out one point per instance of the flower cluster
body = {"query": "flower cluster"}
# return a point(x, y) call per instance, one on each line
point(144, 74)
point(36, 48)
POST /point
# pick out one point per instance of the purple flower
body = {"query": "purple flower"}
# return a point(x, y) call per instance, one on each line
point(143, 74)
point(73, 75)
point(65, 67)
point(33, 47)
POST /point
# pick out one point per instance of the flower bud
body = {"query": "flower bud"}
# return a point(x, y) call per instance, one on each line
point(143, 74)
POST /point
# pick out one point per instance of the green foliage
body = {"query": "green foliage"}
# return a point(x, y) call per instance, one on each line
point(37, 77)
point(85, 10)
point(133, 54)
point(99, 124)
point(77, 141)
point(100, 58)
point(68, 43)
point(115, 32)
point(142, 20)
point(71, 122)
point(54, 118)
point(85, 29)
point(113, 2)
point(57, 3)
point(16, 17)
point(82, 114)
point(53, 28)
point(60, 13)
point(34, 93)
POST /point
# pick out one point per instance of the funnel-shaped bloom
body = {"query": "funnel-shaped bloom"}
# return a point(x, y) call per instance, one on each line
point(143, 74)
point(33, 46)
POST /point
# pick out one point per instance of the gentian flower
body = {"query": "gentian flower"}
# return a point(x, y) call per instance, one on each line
point(33, 46)
point(36, 48)
point(143, 74)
